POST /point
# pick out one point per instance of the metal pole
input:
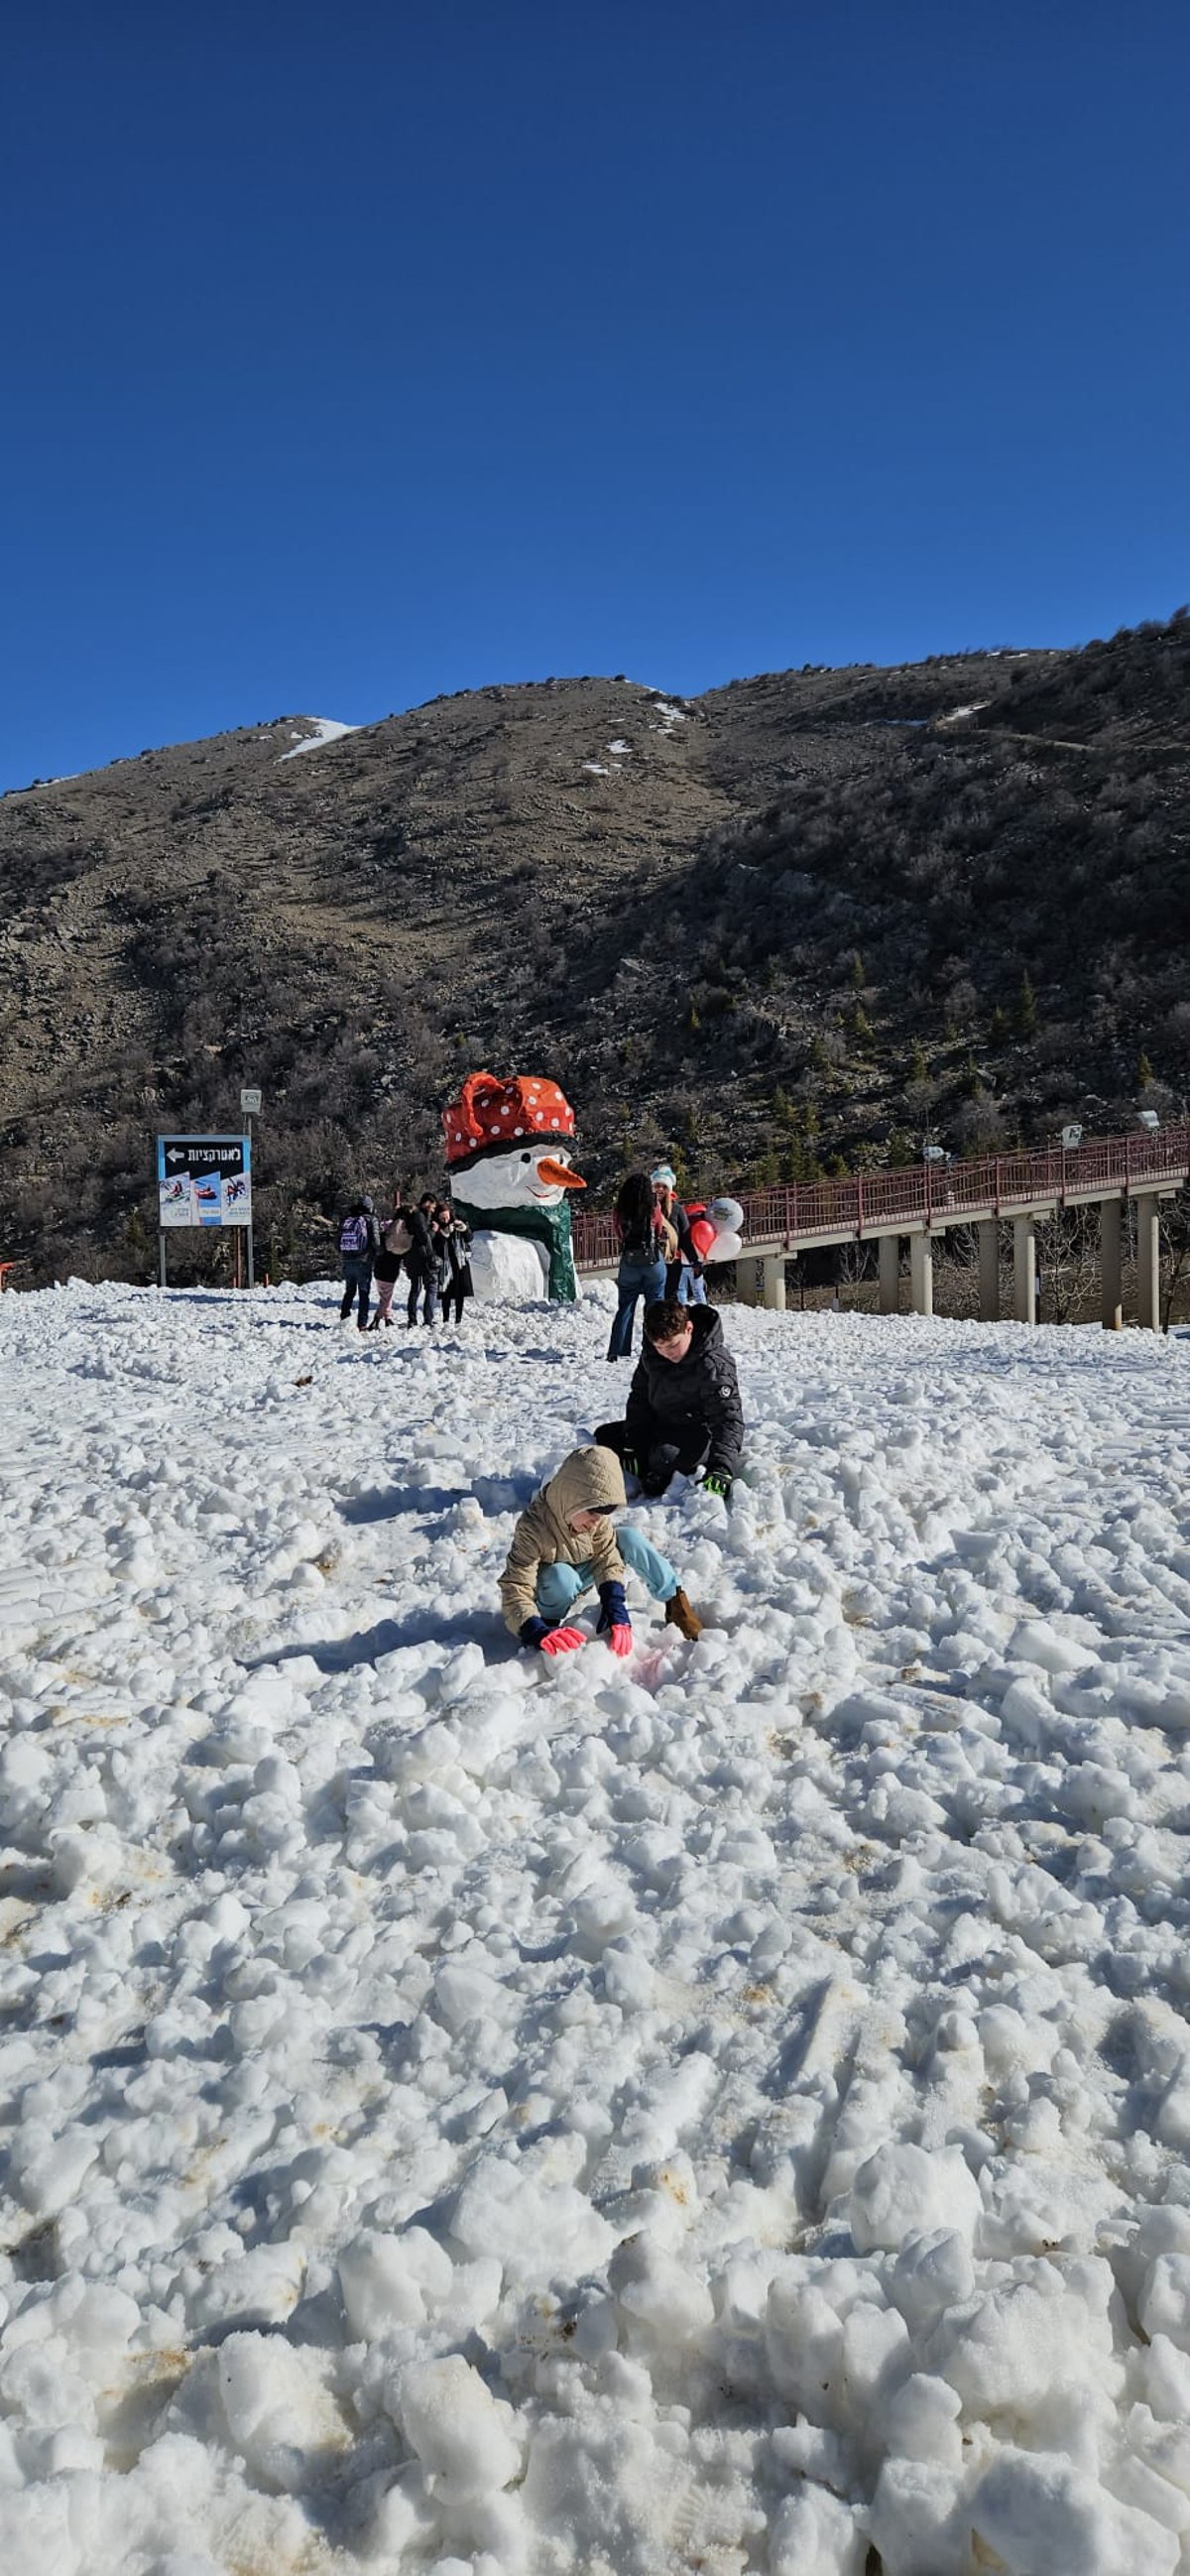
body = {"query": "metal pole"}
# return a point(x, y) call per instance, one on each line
point(161, 1253)
point(251, 1186)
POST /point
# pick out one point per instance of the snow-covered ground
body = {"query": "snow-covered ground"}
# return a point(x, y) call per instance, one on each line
point(728, 2111)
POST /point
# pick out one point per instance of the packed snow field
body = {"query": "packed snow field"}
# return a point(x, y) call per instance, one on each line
point(724, 2111)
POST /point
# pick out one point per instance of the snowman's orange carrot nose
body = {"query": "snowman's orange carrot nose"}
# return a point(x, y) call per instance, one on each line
point(559, 1175)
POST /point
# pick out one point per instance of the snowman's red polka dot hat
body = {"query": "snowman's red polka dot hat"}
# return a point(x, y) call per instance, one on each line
point(492, 1117)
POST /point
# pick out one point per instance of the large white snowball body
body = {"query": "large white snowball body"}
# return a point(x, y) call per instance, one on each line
point(508, 1265)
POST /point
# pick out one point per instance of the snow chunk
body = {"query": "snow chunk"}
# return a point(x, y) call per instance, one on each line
point(538, 2226)
point(902, 2190)
point(457, 2428)
point(385, 2281)
point(1036, 2510)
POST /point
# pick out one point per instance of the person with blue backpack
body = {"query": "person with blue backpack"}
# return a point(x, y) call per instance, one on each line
point(359, 1243)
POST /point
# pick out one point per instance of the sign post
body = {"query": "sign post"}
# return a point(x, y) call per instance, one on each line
point(202, 1181)
point(250, 1105)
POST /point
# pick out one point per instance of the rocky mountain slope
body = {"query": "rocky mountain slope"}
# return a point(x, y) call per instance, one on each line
point(807, 918)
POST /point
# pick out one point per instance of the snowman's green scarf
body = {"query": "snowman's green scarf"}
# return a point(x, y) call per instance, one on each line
point(550, 1226)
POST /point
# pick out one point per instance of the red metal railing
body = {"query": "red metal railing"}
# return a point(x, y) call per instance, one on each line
point(872, 1202)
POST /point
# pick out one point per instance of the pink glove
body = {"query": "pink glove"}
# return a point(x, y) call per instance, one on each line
point(619, 1638)
point(562, 1641)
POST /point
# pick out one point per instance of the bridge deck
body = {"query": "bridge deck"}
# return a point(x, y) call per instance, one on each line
point(926, 1198)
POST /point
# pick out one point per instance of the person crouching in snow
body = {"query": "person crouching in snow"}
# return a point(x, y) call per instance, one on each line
point(683, 1404)
point(565, 1544)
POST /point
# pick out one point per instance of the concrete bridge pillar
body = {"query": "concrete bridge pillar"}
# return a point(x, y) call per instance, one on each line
point(989, 1271)
point(921, 1273)
point(774, 1281)
point(1024, 1270)
point(748, 1280)
point(1110, 1264)
point(1148, 1261)
point(890, 1273)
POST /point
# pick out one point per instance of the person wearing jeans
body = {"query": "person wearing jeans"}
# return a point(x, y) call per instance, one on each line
point(647, 1244)
point(559, 1586)
point(566, 1543)
point(359, 1242)
point(634, 1279)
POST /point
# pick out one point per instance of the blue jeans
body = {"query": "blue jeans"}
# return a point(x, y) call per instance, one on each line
point(634, 1279)
point(559, 1586)
point(692, 1287)
point(427, 1281)
point(357, 1282)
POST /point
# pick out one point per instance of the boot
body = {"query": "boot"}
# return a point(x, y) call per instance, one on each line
point(680, 1615)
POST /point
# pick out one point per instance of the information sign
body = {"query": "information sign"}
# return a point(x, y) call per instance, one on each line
point(204, 1180)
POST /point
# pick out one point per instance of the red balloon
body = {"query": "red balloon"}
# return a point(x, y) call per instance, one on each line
point(702, 1235)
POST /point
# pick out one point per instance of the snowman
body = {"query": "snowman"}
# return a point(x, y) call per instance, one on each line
point(509, 1162)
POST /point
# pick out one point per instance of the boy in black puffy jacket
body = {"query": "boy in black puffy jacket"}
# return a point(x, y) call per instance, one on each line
point(684, 1409)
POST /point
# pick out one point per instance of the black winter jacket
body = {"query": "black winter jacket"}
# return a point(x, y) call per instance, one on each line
point(700, 1390)
point(421, 1260)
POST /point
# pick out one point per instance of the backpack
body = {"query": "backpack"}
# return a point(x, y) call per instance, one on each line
point(398, 1236)
point(353, 1234)
point(647, 1247)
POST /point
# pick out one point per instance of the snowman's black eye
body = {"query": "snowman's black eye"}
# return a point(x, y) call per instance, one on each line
point(526, 1158)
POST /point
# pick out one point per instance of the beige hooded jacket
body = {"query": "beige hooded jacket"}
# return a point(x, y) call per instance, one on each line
point(543, 1535)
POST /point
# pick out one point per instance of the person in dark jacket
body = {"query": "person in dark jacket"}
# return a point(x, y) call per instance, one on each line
point(359, 1243)
point(457, 1282)
point(683, 1404)
point(421, 1260)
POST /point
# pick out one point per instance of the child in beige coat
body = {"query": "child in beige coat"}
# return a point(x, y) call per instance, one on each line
point(566, 1543)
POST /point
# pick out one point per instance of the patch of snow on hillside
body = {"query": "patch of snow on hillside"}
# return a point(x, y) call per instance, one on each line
point(725, 2108)
point(598, 768)
point(957, 713)
point(325, 730)
point(668, 716)
point(621, 749)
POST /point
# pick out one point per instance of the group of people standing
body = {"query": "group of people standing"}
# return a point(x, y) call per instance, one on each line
point(430, 1242)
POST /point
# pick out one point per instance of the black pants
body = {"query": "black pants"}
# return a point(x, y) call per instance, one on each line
point(357, 1277)
point(453, 1293)
point(663, 1449)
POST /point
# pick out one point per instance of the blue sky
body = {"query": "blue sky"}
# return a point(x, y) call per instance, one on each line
point(350, 357)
